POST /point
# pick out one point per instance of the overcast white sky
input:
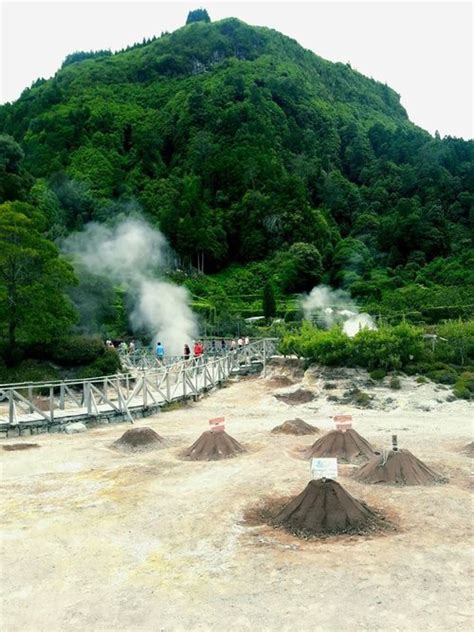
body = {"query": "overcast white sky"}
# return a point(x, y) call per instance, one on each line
point(421, 49)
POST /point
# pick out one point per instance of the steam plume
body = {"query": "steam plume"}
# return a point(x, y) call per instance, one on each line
point(135, 254)
point(328, 307)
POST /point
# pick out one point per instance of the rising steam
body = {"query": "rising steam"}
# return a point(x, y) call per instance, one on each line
point(135, 254)
point(329, 307)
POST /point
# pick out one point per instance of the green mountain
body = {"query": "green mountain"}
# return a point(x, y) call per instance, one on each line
point(243, 147)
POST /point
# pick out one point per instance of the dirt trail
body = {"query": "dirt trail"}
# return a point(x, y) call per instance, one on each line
point(98, 540)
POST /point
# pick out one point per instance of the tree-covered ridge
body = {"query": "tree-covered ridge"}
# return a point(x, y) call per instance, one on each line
point(243, 146)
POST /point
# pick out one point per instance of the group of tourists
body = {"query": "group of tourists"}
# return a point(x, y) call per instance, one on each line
point(121, 346)
point(215, 347)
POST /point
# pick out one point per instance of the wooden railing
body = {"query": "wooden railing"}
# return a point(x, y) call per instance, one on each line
point(141, 389)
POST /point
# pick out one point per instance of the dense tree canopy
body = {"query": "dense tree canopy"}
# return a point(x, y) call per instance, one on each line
point(243, 147)
point(33, 306)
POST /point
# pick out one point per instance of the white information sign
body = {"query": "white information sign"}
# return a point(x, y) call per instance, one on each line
point(323, 468)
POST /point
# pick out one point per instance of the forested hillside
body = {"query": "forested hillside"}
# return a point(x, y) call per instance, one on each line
point(244, 148)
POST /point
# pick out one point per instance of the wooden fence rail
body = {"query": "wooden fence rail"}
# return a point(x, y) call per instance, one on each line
point(44, 406)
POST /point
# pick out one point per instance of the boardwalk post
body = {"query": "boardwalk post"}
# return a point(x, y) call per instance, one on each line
point(119, 394)
point(87, 397)
point(144, 391)
point(30, 397)
point(168, 387)
point(61, 396)
point(51, 404)
point(11, 408)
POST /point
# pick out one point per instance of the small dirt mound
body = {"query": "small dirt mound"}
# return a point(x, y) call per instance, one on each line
point(348, 447)
point(19, 446)
point(468, 449)
point(324, 508)
point(301, 396)
point(399, 467)
point(279, 381)
point(295, 427)
point(214, 446)
point(139, 440)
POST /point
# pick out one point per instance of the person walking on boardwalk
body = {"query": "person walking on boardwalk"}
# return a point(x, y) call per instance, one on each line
point(233, 344)
point(240, 342)
point(187, 352)
point(223, 346)
point(246, 340)
point(159, 352)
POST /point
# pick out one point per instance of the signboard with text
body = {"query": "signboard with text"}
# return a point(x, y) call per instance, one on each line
point(217, 424)
point(323, 468)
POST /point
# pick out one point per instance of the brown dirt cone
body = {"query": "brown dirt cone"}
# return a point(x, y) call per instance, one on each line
point(301, 396)
point(397, 466)
point(468, 449)
point(346, 446)
point(213, 446)
point(139, 440)
point(324, 508)
point(295, 427)
point(20, 446)
point(280, 381)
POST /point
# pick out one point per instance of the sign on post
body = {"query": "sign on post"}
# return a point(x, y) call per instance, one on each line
point(343, 422)
point(323, 468)
point(217, 424)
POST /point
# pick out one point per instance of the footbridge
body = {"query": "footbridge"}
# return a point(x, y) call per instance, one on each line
point(145, 386)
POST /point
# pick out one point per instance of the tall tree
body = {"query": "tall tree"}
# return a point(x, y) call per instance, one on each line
point(268, 301)
point(33, 277)
point(198, 15)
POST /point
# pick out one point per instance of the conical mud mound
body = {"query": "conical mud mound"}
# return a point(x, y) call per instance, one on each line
point(139, 440)
point(324, 508)
point(468, 449)
point(399, 467)
point(213, 446)
point(347, 447)
point(295, 427)
point(301, 396)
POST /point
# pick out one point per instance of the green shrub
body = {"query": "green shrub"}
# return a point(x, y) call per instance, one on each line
point(387, 348)
point(421, 379)
point(331, 347)
point(464, 387)
point(28, 371)
point(78, 350)
point(461, 392)
point(362, 399)
point(107, 364)
point(467, 380)
point(378, 374)
point(395, 383)
point(443, 376)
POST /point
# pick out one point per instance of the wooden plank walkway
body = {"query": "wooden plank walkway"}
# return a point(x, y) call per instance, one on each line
point(49, 407)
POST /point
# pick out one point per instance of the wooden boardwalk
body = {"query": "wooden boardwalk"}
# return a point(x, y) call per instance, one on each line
point(29, 408)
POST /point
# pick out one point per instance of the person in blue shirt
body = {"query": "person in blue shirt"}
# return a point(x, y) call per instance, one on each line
point(159, 351)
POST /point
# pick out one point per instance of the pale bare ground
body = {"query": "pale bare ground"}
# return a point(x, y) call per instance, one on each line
point(95, 540)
